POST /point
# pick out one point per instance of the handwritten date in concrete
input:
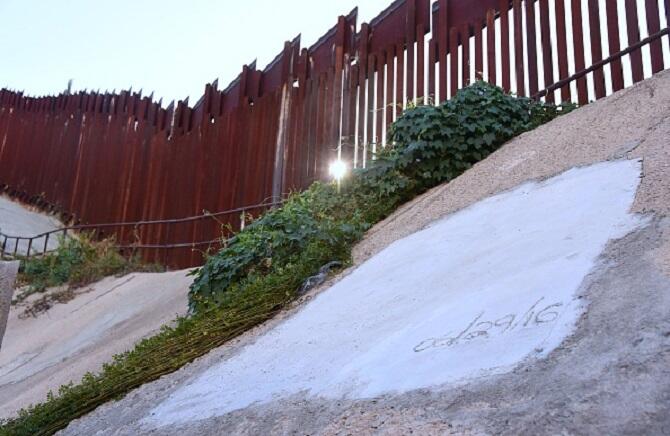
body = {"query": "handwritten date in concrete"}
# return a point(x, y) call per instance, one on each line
point(538, 314)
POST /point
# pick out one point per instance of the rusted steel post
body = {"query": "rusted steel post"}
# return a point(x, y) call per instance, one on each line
point(284, 124)
point(547, 52)
point(491, 45)
point(654, 26)
point(562, 48)
point(519, 69)
point(432, 60)
point(442, 33)
point(389, 103)
point(479, 51)
point(420, 63)
point(578, 42)
point(504, 45)
point(614, 44)
point(362, 52)
point(531, 41)
point(284, 115)
point(453, 74)
point(400, 79)
point(8, 271)
point(410, 39)
point(465, 64)
point(379, 105)
point(596, 48)
point(335, 133)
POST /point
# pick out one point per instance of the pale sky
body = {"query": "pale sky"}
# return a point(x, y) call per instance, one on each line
point(172, 47)
point(175, 47)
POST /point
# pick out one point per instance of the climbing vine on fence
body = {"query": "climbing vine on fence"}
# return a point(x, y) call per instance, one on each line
point(259, 271)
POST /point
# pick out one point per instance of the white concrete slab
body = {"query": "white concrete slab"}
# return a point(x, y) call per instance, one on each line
point(470, 296)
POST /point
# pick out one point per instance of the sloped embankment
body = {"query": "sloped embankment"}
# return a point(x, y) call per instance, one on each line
point(610, 296)
point(58, 347)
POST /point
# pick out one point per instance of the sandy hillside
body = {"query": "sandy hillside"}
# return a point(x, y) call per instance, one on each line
point(530, 295)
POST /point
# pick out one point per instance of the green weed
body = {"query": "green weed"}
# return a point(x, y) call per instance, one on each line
point(76, 262)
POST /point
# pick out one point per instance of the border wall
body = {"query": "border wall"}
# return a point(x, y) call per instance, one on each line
point(123, 157)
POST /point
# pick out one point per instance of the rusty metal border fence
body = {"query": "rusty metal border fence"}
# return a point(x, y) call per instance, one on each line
point(122, 157)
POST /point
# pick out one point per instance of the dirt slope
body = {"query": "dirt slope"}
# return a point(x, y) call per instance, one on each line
point(610, 375)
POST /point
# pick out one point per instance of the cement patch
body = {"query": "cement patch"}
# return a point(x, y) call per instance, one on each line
point(470, 296)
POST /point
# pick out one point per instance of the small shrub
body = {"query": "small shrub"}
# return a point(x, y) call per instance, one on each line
point(435, 144)
point(76, 262)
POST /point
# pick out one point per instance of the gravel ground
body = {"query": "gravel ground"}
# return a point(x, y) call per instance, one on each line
point(611, 376)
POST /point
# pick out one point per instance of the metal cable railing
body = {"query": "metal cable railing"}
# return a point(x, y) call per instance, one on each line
point(613, 57)
point(12, 246)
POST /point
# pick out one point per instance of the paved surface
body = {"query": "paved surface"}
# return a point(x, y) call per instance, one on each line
point(60, 346)
point(18, 220)
point(611, 375)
